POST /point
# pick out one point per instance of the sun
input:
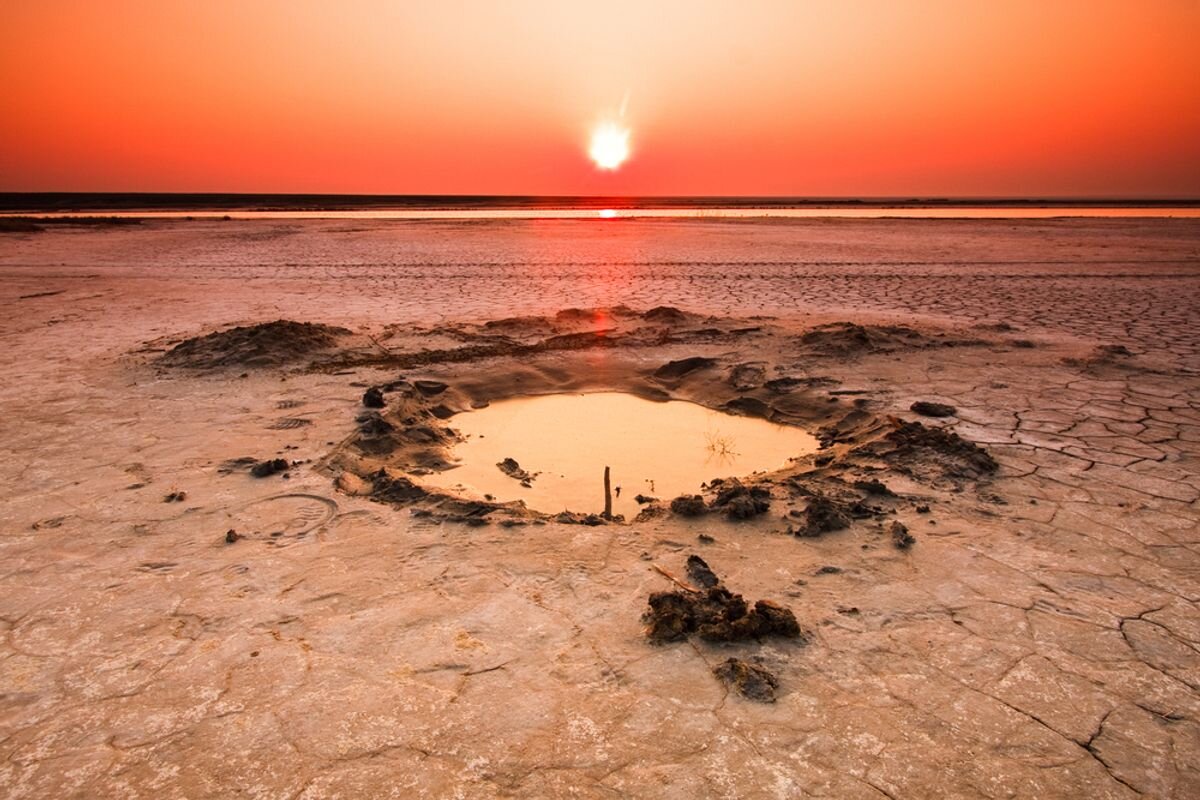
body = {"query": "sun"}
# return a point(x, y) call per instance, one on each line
point(610, 145)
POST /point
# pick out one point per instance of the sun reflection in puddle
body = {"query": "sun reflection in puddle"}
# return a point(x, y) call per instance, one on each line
point(565, 440)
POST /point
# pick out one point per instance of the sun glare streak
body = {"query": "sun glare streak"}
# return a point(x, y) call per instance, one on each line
point(610, 145)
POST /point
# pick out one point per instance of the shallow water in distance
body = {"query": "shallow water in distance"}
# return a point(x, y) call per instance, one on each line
point(653, 448)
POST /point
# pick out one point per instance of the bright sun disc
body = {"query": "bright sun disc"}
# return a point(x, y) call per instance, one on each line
point(610, 145)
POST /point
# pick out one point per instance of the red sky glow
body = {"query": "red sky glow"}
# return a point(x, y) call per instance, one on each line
point(847, 98)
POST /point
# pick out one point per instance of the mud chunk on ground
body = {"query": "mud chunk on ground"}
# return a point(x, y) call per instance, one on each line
point(901, 538)
point(714, 613)
point(738, 501)
point(269, 467)
point(751, 681)
point(373, 398)
point(263, 345)
point(175, 497)
point(231, 536)
point(915, 448)
point(700, 573)
point(688, 505)
point(928, 408)
point(823, 514)
point(677, 369)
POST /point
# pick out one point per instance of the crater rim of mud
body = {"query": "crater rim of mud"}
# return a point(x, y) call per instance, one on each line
point(404, 430)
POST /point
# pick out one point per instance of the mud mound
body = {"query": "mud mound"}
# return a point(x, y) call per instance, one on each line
point(848, 339)
point(822, 515)
point(666, 315)
point(373, 398)
point(925, 452)
point(688, 505)
point(738, 501)
point(715, 614)
point(267, 344)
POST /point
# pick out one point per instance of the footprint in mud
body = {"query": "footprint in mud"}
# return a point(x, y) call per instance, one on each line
point(282, 518)
point(289, 423)
point(157, 567)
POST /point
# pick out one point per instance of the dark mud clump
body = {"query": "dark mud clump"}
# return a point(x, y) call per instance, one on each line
point(875, 487)
point(673, 370)
point(175, 497)
point(512, 469)
point(927, 408)
point(823, 515)
point(397, 491)
point(688, 505)
point(373, 398)
point(901, 538)
point(576, 518)
point(915, 448)
point(267, 344)
point(269, 467)
point(714, 614)
point(738, 501)
point(700, 573)
point(751, 681)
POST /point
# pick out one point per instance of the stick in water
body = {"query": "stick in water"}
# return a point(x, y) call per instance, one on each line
point(607, 496)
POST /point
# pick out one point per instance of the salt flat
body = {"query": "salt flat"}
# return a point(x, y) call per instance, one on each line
point(1040, 638)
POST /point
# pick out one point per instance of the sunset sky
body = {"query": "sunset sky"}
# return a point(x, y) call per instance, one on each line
point(846, 98)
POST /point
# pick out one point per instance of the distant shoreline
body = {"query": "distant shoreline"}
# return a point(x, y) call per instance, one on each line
point(84, 202)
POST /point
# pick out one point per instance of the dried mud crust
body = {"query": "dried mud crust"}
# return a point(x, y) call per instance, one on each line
point(407, 428)
point(267, 344)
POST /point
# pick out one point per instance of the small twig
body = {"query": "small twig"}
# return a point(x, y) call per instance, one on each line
point(674, 580)
point(380, 346)
point(488, 669)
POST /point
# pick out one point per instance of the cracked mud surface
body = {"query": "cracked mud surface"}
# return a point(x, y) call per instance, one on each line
point(1040, 638)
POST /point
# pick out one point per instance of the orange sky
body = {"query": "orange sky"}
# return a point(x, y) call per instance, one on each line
point(929, 97)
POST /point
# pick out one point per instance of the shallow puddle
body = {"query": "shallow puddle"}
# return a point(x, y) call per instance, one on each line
point(564, 441)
